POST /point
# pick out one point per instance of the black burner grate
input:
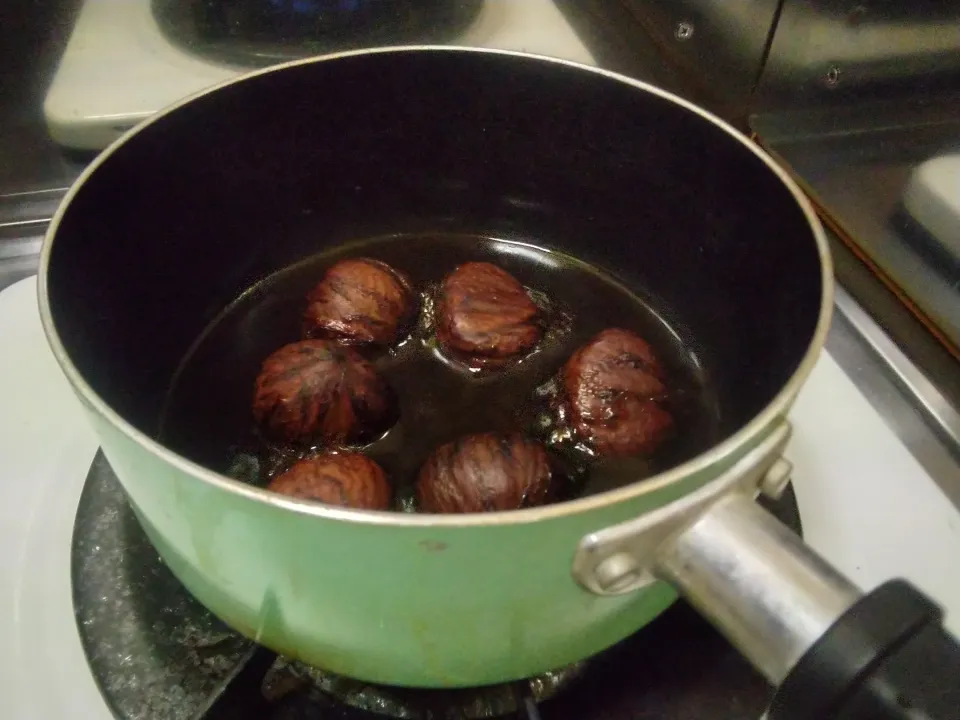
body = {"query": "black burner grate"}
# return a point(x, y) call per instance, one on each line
point(157, 654)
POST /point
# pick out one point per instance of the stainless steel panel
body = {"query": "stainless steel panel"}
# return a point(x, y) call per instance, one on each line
point(829, 52)
point(29, 208)
point(899, 391)
point(856, 162)
point(716, 45)
point(23, 221)
point(943, 417)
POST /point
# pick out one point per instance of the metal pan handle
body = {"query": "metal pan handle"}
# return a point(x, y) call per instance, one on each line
point(833, 652)
point(756, 581)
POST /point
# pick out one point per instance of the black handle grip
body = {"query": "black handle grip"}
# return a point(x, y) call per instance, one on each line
point(886, 658)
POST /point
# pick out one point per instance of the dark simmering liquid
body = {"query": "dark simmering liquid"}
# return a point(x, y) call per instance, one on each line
point(208, 415)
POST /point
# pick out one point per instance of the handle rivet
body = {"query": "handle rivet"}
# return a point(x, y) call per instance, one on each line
point(832, 77)
point(776, 479)
point(683, 31)
point(618, 572)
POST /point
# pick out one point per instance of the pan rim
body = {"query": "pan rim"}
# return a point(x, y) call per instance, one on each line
point(776, 408)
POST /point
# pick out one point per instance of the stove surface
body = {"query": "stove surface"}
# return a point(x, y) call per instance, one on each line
point(119, 67)
point(866, 503)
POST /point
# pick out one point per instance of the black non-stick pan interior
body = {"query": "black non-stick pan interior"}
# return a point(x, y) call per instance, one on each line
point(199, 205)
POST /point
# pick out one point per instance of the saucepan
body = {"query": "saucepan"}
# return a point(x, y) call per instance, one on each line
point(175, 223)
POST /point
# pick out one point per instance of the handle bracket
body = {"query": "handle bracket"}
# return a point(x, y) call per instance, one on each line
point(620, 559)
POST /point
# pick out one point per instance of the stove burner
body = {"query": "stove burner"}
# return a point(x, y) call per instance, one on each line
point(286, 677)
point(157, 654)
point(262, 32)
point(271, 687)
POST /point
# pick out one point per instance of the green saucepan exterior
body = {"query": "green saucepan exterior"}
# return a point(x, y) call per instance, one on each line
point(409, 600)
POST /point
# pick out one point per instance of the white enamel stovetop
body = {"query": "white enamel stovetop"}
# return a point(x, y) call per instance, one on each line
point(865, 503)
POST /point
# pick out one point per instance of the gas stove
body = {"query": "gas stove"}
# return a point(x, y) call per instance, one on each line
point(94, 626)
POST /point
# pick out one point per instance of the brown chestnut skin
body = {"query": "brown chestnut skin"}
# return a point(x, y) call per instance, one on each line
point(345, 479)
point(316, 391)
point(361, 302)
point(484, 316)
point(615, 388)
point(483, 473)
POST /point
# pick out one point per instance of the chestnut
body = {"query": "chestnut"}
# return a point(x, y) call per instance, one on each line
point(615, 388)
point(485, 316)
point(346, 479)
point(360, 301)
point(316, 391)
point(485, 472)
